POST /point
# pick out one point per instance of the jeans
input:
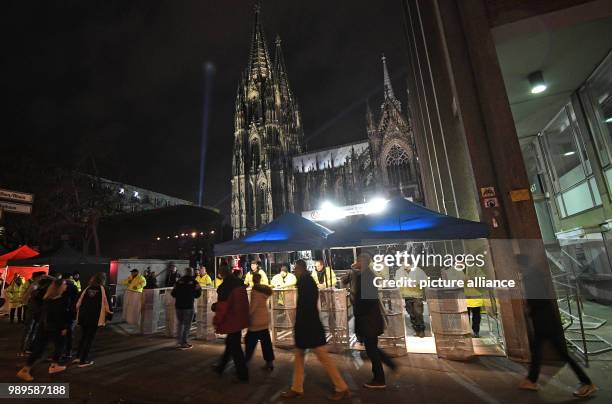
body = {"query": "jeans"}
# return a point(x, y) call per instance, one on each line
point(327, 362)
point(475, 313)
point(183, 324)
point(233, 349)
point(414, 307)
point(19, 314)
point(558, 343)
point(88, 334)
point(40, 345)
point(263, 336)
point(377, 357)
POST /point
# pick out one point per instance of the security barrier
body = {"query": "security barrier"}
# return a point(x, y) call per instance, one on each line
point(393, 340)
point(153, 315)
point(284, 302)
point(450, 323)
point(333, 310)
point(204, 315)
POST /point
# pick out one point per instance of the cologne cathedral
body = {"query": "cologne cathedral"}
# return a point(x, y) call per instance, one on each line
point(272, 172)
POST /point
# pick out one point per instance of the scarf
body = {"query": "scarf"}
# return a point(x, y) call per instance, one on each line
point(104, 308)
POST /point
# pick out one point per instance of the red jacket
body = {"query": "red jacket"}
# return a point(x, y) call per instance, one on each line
point(232, 307)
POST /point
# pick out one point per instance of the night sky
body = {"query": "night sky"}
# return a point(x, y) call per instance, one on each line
point(121, 81)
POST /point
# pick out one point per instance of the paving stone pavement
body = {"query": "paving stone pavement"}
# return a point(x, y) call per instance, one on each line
point(148, 369)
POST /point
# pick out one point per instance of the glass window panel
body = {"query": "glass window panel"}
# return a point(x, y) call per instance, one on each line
point(578, 199)
point(608, 173)
point(563, 151)
point(595, 191)
point(599, 92)
point(560, 206)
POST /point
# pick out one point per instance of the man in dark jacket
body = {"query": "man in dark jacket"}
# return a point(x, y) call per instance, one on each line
point(309, 334)
point(185, 291)
point(369, 321)
point(171, 276)
point(33, 299)
point(72, 294)
point(231, 317)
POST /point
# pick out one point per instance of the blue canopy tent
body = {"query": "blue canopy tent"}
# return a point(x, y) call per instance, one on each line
point(289, 232)
point(403, 221)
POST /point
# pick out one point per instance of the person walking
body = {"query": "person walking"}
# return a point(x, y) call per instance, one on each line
point(93, 309)
point(309, 334)
point(185, 291)
point(231, 317)
point(55, 320)
point(259, 319)
point(15, 293)
point(72, 293)
point(369, 320)
point(540, 305)
point(413, 296)
point(32, 307)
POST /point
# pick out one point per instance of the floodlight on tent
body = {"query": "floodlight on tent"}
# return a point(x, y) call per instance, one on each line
point(376, 205)
point(608, 120)
point(329, 211)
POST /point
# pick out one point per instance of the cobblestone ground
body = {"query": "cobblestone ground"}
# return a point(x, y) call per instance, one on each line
point(139, 369)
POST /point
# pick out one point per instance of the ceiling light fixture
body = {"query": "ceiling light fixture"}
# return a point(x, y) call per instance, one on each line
point(538, 85)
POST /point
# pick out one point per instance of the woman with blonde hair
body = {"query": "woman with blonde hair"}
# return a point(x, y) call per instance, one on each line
point(54, 325)
point(93, 308)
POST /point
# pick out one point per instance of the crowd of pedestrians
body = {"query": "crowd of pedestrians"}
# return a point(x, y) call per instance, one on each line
point(52, 306)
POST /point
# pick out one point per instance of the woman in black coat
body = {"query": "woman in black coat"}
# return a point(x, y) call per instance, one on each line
point(93, 307)
point(309, 334)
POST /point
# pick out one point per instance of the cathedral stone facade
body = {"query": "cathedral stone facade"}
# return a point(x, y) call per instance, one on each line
point(271, 171)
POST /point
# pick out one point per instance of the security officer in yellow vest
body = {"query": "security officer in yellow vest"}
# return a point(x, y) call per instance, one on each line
point(413, 296)
point(323, 276)
point(284, 279)
point(76, 279)
point(202, 278)
point(132, 299)
point(255, 269)
point(475, 297)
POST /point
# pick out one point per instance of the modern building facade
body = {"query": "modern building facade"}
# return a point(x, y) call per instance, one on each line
point(510, 106)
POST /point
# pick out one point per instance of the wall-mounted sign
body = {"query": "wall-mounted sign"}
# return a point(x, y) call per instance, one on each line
point(487, 192)
point(490, 203)
point(9, 195)
point(518, 195)
point(12, 207)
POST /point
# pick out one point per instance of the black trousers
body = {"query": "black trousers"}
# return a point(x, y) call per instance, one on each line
point(377, 357)
point(68, 338)
point(263, 337)
point(475, 313)
point(88, 333)
point(558, 344)
point(40, 345)
point(233, 350)
point(414, 307)
point(19, 311)
point(29, 331)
